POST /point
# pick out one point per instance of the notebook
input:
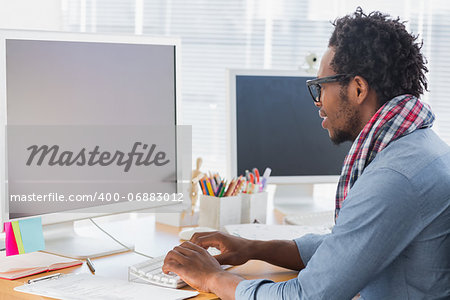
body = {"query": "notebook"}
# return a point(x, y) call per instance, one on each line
point(17, 266)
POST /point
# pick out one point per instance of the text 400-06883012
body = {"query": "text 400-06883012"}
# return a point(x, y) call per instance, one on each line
point(142, 197)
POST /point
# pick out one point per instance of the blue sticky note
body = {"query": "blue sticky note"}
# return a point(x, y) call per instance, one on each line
point(32, 236)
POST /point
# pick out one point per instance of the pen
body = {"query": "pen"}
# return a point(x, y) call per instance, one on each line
point(267, 172)
point(90, 265)
point(201, 187)
point(255, 170)
point(266, 177)
point(238, 182)
point(213, 186)
point(44, 278)
point(252, 177)
point(231, 187)
point(223, 189)
point(219, 189)
point(205, 191)
point(209, 187)
point(217, 179)
point(239, 187)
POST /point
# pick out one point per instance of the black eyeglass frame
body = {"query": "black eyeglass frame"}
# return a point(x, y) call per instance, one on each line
point(318, 81)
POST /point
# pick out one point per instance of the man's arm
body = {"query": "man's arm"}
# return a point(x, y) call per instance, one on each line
point(378, 220)
point(201, 271)
point(280, 253)
point(237, 251)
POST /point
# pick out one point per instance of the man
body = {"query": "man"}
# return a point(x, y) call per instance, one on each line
point(392, 234)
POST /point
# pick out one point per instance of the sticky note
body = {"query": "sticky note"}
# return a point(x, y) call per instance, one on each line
point(16, 229)
point(32, 236)
point(10, 240)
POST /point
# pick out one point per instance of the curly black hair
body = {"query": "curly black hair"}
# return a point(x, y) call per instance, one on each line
point(380, 50)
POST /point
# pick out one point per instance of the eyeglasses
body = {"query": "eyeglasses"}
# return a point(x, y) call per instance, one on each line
point(315, 85)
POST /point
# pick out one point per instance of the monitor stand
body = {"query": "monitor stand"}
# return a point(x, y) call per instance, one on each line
point(304, 197)
point(61, 239)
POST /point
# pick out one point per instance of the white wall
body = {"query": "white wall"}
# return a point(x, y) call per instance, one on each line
point(30, 14)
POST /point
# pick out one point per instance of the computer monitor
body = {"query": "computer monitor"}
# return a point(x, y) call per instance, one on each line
point(274, 123)
point(105, 107)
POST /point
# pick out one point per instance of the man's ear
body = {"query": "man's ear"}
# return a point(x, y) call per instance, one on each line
point(359, 89)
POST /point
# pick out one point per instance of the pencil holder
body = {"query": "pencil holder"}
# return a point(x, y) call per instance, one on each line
point(254, 207)
point(216, 212)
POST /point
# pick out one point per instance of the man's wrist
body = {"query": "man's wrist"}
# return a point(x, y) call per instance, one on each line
point(255, 250)
point(223, 284)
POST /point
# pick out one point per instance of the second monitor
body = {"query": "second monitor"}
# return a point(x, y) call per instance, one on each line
point(274, 123)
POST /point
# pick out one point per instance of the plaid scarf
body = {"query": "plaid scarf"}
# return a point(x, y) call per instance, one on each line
point(397, 117)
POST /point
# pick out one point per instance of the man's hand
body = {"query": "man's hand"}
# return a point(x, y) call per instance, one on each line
point(200, 270)
point(193, 264)
point(235, 250)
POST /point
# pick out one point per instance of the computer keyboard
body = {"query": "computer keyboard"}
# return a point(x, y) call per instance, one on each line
point(151, 271)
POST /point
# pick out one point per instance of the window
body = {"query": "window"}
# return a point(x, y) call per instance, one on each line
point(271, 34)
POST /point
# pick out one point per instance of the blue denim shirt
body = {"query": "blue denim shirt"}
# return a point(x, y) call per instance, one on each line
point(392, 237)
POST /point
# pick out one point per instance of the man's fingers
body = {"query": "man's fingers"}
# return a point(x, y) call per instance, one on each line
point(192, 247)
point(178, 258)
point(198, 235)
point(174, 255)
point(185, 250)
point(172, 266)
point(223, 258)
point(209, 241)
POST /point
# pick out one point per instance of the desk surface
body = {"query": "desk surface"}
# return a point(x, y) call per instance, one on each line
point(153, 239)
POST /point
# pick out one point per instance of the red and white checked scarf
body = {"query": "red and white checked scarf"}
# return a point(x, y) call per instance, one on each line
point(397, 117)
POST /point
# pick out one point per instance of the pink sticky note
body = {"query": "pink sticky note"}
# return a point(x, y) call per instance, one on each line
point(10, 241)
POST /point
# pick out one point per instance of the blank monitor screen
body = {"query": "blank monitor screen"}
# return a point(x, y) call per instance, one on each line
point(89, 83)
point(278, 126)
point(80, 83)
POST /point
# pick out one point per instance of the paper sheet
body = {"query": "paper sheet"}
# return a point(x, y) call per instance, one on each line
point(10, 240)
point(18, 236)
point(86, 286)
point(32, 236)
point(273, 232)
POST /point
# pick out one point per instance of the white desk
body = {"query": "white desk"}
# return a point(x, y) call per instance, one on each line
point(151, 238)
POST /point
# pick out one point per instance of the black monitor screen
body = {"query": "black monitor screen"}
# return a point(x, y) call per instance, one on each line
point(278, 126)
